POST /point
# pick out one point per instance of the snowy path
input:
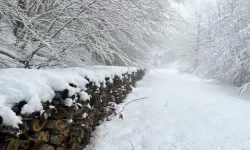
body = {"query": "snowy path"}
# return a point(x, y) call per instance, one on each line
point(181, 113)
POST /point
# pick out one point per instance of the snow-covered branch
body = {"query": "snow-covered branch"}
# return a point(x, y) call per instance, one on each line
point(90, 32)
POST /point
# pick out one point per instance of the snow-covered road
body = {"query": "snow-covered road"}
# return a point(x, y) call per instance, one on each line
point(182, 112)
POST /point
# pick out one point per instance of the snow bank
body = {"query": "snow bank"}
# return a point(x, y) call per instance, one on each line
point(38, 86)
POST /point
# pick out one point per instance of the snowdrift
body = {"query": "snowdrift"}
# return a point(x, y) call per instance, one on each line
point(59, 108)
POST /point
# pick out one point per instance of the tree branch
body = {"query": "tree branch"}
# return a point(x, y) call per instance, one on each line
point(129, 103)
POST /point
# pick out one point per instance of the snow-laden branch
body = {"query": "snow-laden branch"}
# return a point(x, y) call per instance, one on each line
point(84, 32)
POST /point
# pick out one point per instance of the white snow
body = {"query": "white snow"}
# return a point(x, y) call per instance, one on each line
point(84, 96)
point(37, 86)
point(182, 112)
point(68, 102)
point(88, 105)
point(85, 115)
point(52, 107)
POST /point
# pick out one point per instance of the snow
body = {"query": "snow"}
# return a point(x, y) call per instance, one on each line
point(68, 102)
point(182, 112)
point(85, 115)
point(37, 86)
point(84, 96)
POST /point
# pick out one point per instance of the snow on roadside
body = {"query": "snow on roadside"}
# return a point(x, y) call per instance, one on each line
point(182, 112)
point(37, 86)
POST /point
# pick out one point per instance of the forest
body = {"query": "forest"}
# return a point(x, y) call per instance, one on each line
point(213, 41)
point(61, 33)
point(210, 38)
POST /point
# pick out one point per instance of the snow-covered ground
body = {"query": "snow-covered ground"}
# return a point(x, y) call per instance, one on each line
point(182, 112)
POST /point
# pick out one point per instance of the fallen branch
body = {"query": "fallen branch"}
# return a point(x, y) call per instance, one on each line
point(129, 103)
point(133, 148)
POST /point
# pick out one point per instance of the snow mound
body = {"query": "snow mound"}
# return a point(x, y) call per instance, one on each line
point(38, 86)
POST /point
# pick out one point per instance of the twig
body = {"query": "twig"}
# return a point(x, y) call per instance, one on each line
point(74, 18)
point(130, 143)
point(131, 102)
point(166, 104)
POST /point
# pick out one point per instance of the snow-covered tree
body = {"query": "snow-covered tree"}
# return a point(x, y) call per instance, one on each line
point(61, 33)
point(224, 36)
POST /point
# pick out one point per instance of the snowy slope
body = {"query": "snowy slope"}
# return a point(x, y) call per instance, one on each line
point(37, 86)
point(182, 112)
